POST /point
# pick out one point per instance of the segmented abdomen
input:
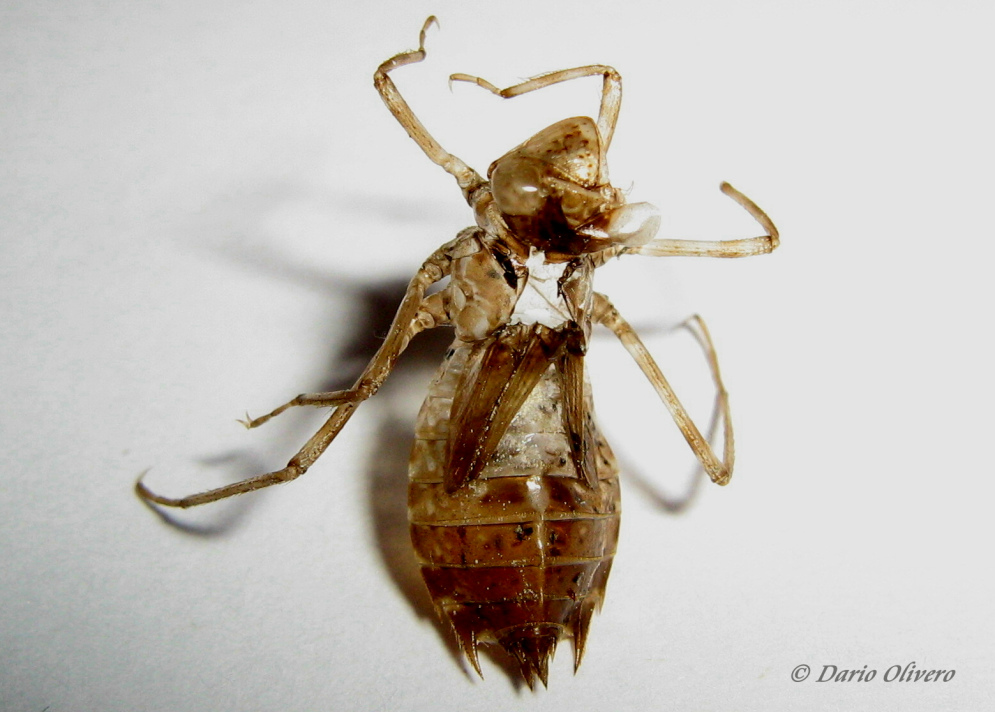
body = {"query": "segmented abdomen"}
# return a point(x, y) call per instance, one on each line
point(519, 556)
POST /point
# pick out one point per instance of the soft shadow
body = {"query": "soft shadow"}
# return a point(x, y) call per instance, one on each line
point(680, 502)
point(387, 468)
point(671, 503)
point(387, 475)
point(223, 519)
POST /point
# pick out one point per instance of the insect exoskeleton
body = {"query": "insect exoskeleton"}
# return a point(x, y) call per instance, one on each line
point(514, 493)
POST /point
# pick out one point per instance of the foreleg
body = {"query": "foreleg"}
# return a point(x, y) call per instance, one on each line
point(724, 248)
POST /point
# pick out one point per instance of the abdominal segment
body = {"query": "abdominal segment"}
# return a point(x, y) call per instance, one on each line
point(519, 556)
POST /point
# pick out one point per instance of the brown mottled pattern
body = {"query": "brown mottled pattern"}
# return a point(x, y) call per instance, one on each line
point(519, 556)
point(568, 147)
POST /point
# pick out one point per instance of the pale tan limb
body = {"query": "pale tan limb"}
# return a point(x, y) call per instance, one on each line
point(468, 179)
point(719, 472)
point(409, 320)
point(611, 97)
point(431, 313)
point(696, 325)
point(725, 248)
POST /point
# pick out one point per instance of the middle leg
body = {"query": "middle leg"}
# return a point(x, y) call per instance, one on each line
point(431, 313)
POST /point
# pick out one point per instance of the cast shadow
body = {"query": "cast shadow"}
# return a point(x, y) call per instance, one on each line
point(675, 502)
point(226, 517)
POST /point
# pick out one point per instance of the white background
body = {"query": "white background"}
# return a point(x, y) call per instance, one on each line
point(200, 201)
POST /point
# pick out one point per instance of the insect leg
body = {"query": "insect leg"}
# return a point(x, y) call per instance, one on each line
point(725, 248)
point(467, 178)
point(409, 320)
point(604, 312)
point(611, 95)
point(431, 313)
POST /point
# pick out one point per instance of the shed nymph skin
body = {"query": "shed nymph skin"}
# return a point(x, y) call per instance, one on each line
point(514, 492)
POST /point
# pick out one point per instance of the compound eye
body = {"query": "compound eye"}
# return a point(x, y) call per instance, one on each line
point(517, 186)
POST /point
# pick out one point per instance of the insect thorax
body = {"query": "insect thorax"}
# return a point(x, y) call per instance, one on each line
point(492, 287)
point(542, 301)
